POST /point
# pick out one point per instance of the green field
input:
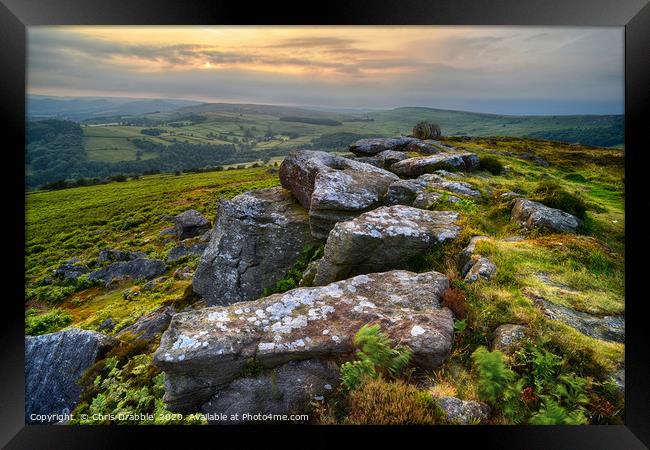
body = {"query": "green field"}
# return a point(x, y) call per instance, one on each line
point(112, 143)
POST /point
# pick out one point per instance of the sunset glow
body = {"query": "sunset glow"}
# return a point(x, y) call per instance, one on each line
point(568, 69)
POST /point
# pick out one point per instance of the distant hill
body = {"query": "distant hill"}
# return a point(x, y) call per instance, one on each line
point(112, 136)
point(601, 131)
point(80, 108)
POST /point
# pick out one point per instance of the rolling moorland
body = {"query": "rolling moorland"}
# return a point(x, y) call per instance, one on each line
point(67, 152)
point(557, 361)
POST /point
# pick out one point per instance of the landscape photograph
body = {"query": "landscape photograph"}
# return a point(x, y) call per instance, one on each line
point(324, 225)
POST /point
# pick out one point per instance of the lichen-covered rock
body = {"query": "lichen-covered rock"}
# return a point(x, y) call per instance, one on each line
point(141, 268)
point(457, 187)
point(287, 389)
point(446, 174)
point(258, 237)
point(608, 328)
point(463, 412)
point(373, 146)
point(202, 351)
point(182, 251)
point(383, 239)
point(107, 325)
point(465, 255)
point(532, 214)
point(403, 192)
point(506, 337)
point(430, 200)
point(481, 267)
point(54, 364)
point(190, 223)
point(70, 270)
point(390, 157)
point(414, 167)
point(147, 327)
point(372, 160)
point(333, 188)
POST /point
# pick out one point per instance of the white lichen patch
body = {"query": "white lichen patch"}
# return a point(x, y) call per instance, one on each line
point(364, 303)
point(264, 346)
point(185, 342)
point(287, 324)
point(220, 316)
point(417, 330)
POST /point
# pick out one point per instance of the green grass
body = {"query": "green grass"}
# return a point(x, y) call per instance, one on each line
point(81, 221)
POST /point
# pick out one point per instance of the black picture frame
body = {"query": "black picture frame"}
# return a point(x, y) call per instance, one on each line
point(634, 15)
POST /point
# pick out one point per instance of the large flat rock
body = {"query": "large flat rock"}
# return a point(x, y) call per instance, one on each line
point(414, 167)
point(374, 146)
point(532, 214)
point(333, 188)
point(54, 364)
point(203, 351)
point(258, 237)
point(386, 238)
point(140, 268)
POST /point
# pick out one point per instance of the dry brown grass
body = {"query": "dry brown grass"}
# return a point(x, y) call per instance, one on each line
point(380, 402)
point(456, 300)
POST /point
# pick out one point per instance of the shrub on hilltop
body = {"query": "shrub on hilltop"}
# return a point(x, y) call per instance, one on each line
point(426, 130)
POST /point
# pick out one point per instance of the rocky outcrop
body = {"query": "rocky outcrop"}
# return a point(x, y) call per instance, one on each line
point(456, 187)
point(258, 237)
point(53, 364)
point(70, 270)
point(182, 251)
point(389, 157)
point(333, 188)
point(367, 147)
point(382, 160)
point(465, 255)
point(507, 336)
point(481, 268)
point(608, 328)
point(107, 325)
point(430, 200)
point(414, 167)
point(190, 223)
point(463, 412)
point(531, 214)
point(141, 268)
point(403, 192)
point(287, 389)
point(203, 351)
point(150, 325)
point(473, 266)
point(383, 239)
point(372, 160)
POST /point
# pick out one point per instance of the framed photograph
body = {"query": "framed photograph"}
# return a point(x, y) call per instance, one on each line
point(374, 218)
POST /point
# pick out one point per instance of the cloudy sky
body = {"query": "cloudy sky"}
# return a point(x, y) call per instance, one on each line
point(508, 70)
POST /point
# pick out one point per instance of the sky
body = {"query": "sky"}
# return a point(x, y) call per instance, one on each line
point(503, 70)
